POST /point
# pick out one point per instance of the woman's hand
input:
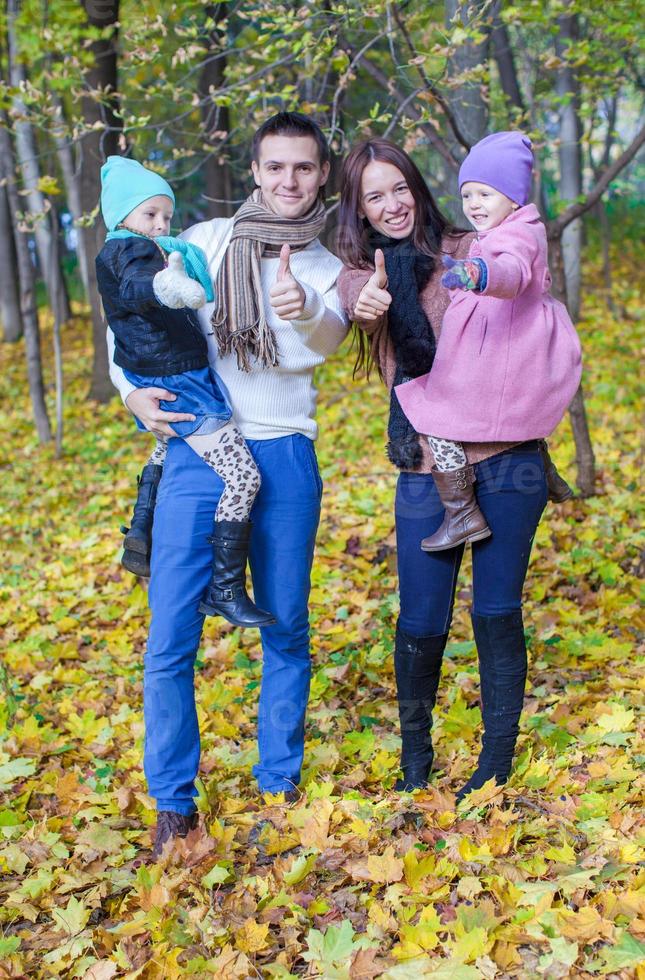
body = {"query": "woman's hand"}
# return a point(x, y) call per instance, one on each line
point(144, 403)
point(374, 299)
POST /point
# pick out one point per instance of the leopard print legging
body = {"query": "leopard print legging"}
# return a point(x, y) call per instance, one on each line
point(448, 456)
point(158, 455)
point(226, 452)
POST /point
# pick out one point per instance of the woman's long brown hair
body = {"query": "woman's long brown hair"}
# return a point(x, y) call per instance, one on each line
point(430, 224)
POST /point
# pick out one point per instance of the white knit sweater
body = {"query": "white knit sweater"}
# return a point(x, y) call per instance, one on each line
point(277, 401)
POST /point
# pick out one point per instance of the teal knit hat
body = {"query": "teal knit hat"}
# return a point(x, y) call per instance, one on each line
point(124, 185)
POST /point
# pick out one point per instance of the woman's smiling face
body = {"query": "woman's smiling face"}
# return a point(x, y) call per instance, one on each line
point(386, 200)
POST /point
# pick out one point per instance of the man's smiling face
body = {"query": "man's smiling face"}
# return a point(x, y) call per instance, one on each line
point(289, 174)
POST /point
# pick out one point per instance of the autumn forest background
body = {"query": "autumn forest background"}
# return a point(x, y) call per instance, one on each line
point(542, 879)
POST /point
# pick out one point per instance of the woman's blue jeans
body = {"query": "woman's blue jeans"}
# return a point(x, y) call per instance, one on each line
point(285, 519)
point(511, 491)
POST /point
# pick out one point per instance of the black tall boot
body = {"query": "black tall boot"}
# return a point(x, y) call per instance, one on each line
point(558, 489)
point(502, 676)
point(138, 537)
point(417, 665)
point(226, 594)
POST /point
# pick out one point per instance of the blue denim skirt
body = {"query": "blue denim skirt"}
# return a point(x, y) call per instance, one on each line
point(198, 392)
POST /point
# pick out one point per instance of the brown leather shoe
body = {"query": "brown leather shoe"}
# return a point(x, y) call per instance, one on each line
point(463, 520)
point(171, 824)
point(558, 489)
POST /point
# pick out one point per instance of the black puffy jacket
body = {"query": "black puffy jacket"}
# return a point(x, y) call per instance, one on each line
point(150, 339)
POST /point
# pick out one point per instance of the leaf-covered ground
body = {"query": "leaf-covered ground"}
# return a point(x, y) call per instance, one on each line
point(542, 880)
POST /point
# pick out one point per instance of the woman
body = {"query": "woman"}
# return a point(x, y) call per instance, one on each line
point(391, 242)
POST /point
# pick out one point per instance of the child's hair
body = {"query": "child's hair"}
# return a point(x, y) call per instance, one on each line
point(291, 124)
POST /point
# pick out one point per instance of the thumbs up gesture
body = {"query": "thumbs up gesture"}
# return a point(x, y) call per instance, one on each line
point(174, 288)
point(374, 299)
point(287, 296)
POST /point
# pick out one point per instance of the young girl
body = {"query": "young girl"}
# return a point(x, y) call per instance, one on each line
point(148, 301)
point(508, 361)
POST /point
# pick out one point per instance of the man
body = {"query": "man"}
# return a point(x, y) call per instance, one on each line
point(276, 317)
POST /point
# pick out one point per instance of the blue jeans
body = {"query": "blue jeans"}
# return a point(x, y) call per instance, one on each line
point(511, 491)
point(285, 519)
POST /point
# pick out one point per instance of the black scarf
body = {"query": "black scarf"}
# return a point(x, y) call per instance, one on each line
point(408, 272)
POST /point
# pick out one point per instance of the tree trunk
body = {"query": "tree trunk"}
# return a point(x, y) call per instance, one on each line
point(570, 158)
point(27, 155)
point(10, 314)
point(568, 246)
point(215, 119)
point(71, 178)
point(600, 206)
point(585, 459)
point(503, 53)
point(466, 98)
point(28, 306)
point(58, 347)
point(99, 103)
point(605, 244)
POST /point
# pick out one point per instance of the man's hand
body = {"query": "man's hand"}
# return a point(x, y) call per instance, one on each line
point(374, 299)
point(144, 403)
point(287, 295)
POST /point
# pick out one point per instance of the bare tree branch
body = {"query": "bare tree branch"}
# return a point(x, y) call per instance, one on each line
point(557, 225)
point(503, 53)
point(401, 109)
point(340, 88)
point(433, 137)
point(430, 85)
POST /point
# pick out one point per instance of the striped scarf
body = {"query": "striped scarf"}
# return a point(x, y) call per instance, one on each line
point(238, 319)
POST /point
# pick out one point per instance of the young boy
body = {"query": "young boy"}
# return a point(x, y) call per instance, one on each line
point(159, 342)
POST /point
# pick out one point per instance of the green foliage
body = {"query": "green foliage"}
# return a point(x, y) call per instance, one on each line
point(357, 69)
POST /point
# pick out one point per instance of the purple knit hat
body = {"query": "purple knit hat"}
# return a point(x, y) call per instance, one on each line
point(503, 161)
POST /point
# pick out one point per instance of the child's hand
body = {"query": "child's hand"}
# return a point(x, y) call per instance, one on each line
point(463, 273)
point(176, 290)
point(374, 299)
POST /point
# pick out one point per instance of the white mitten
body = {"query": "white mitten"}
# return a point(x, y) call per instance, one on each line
point(193, 293)
point(173, 288)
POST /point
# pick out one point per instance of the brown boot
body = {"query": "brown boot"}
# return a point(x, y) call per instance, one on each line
point(558, 489)
point(463, 520)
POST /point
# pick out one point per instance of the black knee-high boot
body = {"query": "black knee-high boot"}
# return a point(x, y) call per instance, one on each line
point(417, 665)
point(502, 676)
point(138, 537)
point(226, 593)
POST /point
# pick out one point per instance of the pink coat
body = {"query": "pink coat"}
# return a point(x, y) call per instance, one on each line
point(508, 359)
